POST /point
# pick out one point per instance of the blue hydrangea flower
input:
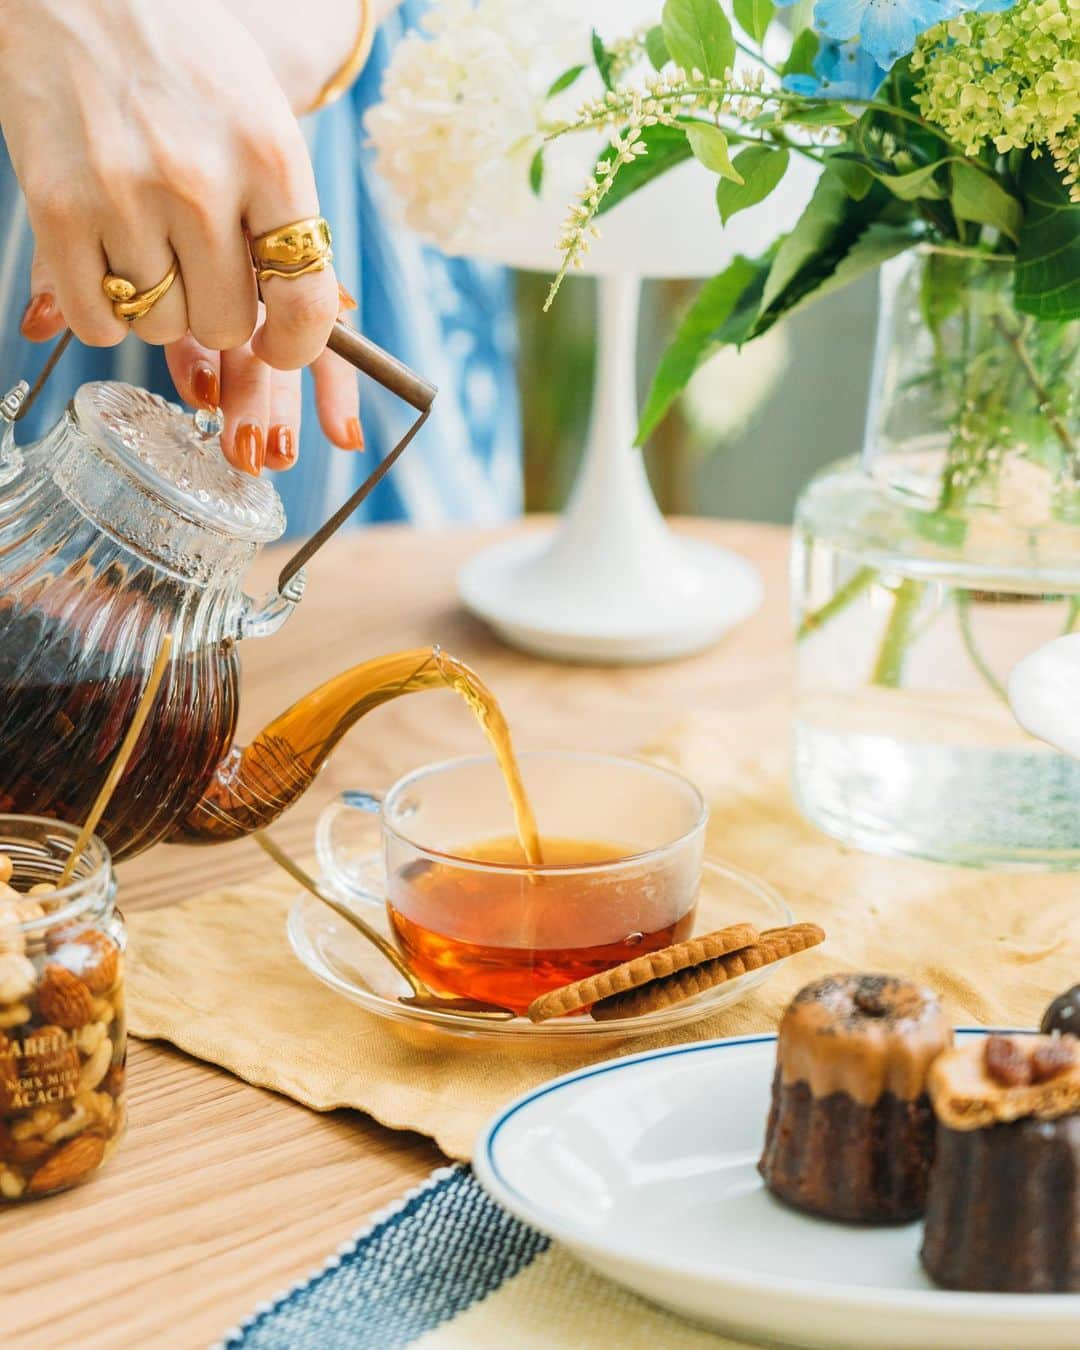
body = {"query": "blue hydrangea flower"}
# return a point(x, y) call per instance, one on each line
point(841, 70)
point(888, 28)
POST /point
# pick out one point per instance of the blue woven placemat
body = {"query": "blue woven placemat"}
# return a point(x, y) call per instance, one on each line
point(420, 1264)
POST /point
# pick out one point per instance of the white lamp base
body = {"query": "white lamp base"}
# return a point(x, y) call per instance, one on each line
point(612, 583)
point(524, 589)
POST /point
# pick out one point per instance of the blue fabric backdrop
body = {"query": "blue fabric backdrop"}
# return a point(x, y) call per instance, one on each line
point(448, 318)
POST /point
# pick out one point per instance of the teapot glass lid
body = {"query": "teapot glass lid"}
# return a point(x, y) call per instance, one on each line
point(158, 446)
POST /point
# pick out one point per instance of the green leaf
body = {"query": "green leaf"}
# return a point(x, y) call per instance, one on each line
point(602, 57)
point(754, 16)
point(565, 80)
point(876, 245)
point(697, 334)
point(853, 173)
point(656, 47)
point(820, 115)
point(1048, 256)
point(978, 197)
point(698, 36)
point(814, 234)
point(909, 187)
point(710, 146)
point(667, 146)
point(801, 57)
point(811, 260)
point(944, 282)
point(536, 172)
point(761, 170)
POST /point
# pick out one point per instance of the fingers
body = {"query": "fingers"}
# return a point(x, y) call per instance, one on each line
point(222, 297)
point(196, 372)
point(144, 259)
point(300, 311)
point(42, 319)
point(245, 400)
point(78, 266)
point(283, 438)
point(262, 406)
point(337, 398)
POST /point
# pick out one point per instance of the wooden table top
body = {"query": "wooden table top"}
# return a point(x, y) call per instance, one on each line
point(223, 1194)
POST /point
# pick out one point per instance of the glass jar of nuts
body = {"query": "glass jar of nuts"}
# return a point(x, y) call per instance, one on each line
point(62, 1034)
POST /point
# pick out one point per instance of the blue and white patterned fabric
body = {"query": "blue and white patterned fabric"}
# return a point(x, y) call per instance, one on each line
point(448, 1269)
point(445, 1248)
point(450, 319)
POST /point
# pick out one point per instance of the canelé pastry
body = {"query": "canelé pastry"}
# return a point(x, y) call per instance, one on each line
point(1063, 1014)
point(850, 1133)
point(1003, 1210)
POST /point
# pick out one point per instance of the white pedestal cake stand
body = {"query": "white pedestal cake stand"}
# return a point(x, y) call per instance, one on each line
point(612, 583)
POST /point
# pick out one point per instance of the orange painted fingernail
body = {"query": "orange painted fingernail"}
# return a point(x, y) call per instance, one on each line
point(345, 299)
point(206, 386)
point(40, 310)
point(250, 447)
point(354, 434)
point(281, 445)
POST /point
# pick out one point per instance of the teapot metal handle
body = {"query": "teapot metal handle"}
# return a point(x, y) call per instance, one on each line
point(17, 402)
point(410, 387)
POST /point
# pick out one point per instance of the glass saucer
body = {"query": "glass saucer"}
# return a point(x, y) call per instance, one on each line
point(341, 958)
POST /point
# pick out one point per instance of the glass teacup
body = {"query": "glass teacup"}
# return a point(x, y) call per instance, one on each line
point(623, 844)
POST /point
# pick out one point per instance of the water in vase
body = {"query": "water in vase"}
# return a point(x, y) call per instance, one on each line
point(904, 740)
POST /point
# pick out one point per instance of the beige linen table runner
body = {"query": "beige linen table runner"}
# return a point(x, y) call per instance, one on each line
point(216, 976)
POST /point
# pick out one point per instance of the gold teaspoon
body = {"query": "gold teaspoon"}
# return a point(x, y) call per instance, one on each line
point(421, 996)
point(119, 764)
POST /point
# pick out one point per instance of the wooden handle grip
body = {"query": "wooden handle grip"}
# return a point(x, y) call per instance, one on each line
point(393, 374)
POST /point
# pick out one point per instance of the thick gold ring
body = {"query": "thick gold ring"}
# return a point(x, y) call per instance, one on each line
point(130, 304)
point(294, 250)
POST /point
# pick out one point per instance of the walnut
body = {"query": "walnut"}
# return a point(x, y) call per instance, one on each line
point(1006, 1063)
point(1052, 1058)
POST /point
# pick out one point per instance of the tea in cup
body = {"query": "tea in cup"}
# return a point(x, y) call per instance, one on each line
point(622, 843)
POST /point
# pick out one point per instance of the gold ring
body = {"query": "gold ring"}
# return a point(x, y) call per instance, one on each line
point(294, 250)
point(130, 304)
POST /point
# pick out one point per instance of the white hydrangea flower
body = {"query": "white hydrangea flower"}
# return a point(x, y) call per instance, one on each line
point(462, 111)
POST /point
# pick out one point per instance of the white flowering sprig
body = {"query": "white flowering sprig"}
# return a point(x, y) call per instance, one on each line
point(673, 98)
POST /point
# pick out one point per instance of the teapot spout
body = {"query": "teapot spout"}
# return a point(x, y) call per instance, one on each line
point(252, 786)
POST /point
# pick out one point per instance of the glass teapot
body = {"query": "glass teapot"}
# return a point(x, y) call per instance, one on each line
point(124, 523)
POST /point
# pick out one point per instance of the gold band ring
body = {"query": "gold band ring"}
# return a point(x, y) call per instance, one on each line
point(294, 250)
point(128, 303)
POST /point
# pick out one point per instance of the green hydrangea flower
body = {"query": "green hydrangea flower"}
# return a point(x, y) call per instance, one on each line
point(1008, 79)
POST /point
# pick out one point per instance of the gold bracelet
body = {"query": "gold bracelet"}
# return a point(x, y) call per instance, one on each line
point(341, 82)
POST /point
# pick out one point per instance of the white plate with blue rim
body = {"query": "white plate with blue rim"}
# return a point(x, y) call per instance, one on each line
point(645, 1167)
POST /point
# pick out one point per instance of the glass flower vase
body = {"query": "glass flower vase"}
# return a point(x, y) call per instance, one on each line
point(924, 570)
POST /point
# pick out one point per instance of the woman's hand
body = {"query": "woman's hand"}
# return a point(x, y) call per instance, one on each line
point(139, 129)
point(261, 405)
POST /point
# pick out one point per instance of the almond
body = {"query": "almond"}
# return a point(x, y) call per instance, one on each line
point(64, 999)
point(91, 956)
point(69, 1164)
point(28, 1151)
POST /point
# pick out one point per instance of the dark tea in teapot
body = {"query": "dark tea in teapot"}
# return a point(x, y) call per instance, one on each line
point(59, 730)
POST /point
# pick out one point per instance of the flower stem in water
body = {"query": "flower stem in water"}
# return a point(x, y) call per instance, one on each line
point(889, 666)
